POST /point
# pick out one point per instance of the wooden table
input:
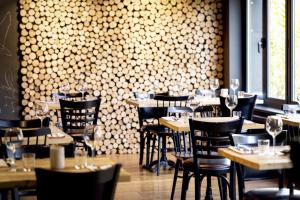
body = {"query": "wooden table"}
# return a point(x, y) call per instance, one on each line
point(254, 161)
point(183, 125)
point(9, 179)
point(258, 162)
point(153, 103)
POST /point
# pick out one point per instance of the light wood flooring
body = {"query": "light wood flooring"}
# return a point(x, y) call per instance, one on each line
point(146, 185)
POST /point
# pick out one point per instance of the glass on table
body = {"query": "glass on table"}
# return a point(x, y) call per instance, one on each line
point(234, 84)
point(41, 110)
point(65, 89)
point(92, 137)
point(80, 156)
point(28, 160)
point(231, 102)
point(214, 84)
point(236, 113)
point(82, 88)
point(193, 102)
point(13, 139)
point(274, 127)
point(263, 146)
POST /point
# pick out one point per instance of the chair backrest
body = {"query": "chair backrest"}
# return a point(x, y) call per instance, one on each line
point(245, 104)
point(208, 136)
point(71, 96)
point(146, 113)
point(167, 104)
point(295, 172)
point(75, 115)
point(92, 185)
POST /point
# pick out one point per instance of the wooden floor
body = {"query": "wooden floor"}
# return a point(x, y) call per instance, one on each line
point(145, 185)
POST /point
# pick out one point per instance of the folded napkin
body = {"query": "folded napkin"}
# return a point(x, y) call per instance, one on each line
point(242, 149)
point(56, 135)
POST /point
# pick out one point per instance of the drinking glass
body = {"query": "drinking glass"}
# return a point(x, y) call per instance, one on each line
point(193, 103)
point(13, 140)
point(83, 88)
point(214, 84)
point(65, 89)
point(92, 136)
point(274, 127)
point(41, 110)
point(234, 84)
point(231, 102)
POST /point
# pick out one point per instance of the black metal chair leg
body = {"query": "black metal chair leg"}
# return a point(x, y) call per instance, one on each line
point(185, 183)
point(220, 188)
point(142, 146)
point(148, 136)
point(153, 147)
point(158, 155)
point(175, 178)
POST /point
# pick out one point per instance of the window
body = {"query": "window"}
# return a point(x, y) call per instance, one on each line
point(273, 46)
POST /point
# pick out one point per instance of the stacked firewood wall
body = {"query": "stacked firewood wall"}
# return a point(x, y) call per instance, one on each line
point(118, 47)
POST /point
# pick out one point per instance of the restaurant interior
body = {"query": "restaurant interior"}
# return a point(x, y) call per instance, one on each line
point(149, 99)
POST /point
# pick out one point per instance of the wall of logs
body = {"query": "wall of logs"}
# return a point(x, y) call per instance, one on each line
point(118, 47)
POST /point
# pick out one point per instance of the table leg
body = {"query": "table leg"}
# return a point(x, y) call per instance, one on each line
point(232, 191)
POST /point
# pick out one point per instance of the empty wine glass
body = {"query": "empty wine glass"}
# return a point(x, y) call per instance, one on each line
point(214, 84)
point(274, 127)
point(193, 103)
point(83, 88)
point(231, 102)
point(65, 89)
point(41, 110)
point(13, 140)
point(92, 136)
point(234, 84)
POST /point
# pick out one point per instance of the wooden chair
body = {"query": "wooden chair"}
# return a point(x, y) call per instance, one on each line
point(245, 104)
point(164, 105)
point(207, 137)
point(92, 185)
point(183, 143)
point(76, 115)
point(146, 114)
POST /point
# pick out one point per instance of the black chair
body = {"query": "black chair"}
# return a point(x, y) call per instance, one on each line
point(93, 185)
point(280, 192)
point(207, 137)
point(76, 115)
point(182, 141)
point(245, 104)
point(146, 114)
point(77, 96)
point(164, 105)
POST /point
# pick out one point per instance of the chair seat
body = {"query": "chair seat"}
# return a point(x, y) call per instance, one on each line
point(183, 155)
point(270, 194)
point(151, 127)
point(209, 164)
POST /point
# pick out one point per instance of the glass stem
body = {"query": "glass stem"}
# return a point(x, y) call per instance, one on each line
point(274, 143)
point(230, 112)
point(93, 152)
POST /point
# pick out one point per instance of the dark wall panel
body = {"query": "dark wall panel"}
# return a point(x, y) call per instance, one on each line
point(9, 60)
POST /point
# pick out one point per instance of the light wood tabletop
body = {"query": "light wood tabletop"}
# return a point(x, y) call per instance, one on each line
point(19, 178)
point(258, 162)
point(183, 125)
point(153, 103)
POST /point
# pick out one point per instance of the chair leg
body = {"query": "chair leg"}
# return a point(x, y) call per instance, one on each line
point(153, 147)
point(158, 155)
point(221, 188)
point(148, 136)
point(197, 184)
point(185, 183)
point(175, 178)
point(142, 146)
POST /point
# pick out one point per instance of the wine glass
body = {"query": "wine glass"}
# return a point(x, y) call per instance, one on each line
point(274, 127)
point(65, 89)
point(92, 136)
point(193, 103)
point(41, 111)
point(214, 84)
point(13, 140)
point(234, 84)
point(83, 88)
point(231, 102)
